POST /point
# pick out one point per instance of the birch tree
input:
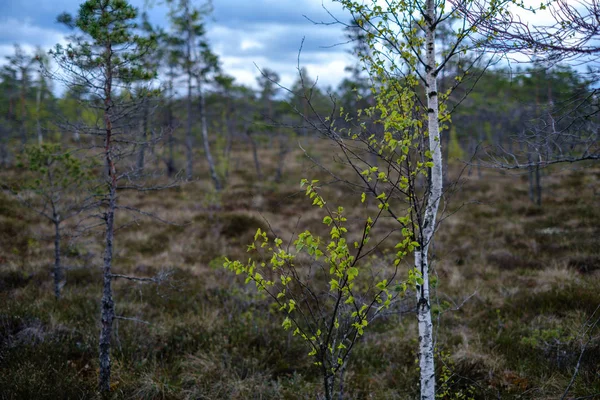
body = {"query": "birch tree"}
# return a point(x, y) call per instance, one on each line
point(405, 60)
point(105, 55)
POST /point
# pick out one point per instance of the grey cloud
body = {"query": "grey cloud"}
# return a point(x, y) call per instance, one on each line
point(279, 43)
point(268, 32)
point(289, 12)
point(41, 13)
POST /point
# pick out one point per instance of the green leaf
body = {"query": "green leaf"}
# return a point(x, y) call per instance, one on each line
point(352, 273)
point(287, 323)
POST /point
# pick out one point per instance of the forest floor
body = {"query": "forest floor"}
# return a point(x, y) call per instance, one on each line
point(517, 286)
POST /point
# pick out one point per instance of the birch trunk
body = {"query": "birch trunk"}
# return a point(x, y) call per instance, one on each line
point(328, 385)
point(425, 324)
point(209, 158)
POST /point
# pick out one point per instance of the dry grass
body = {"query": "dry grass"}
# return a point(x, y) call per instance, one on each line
point(533, 274)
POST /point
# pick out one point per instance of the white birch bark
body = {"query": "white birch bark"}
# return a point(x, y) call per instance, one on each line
point(209, 158)
point(425, 324)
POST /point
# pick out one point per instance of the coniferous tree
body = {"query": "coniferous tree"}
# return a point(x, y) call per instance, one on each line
point(105, 56)
point(199, 64)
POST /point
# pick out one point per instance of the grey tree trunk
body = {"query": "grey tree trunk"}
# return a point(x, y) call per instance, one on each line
point(189, 169)
point(22, 126)
point(188, 134)
point(171, 140)
point(538, 185)
point(283, 150)
point(425, 324)
point(328, 384)
point(3, 154)
point(255, 155)
point(481, 137)
point(144, 137)
point(209, 158)
point(108, 305)
point(57, 271)
point(531, 179)
point(38, 100)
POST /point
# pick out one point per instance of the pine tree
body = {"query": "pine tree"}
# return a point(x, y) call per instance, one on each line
point(105, 55)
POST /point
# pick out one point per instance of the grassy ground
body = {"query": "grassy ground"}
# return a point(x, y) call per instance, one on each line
point(516, 285)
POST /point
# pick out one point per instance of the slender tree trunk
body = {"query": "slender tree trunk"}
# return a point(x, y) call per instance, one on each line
point(538, 185)
point(479, 175)
point(38, 100)
point(171, 146)
point(341, 392)
point(188, 135)
point(328, 384)
point(170, 127)
point(108, 305)
point(171, 157)
point(57, 272)
point(144, 136)
point(3, 154)
point(209, 158)
point(425, 324)
point(255, 155)
point(107, 310)
point(283, 150)
point(531, 178)
point(23, 109)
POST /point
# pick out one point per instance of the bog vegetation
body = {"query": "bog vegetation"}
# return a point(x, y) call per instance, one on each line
point(428, 229)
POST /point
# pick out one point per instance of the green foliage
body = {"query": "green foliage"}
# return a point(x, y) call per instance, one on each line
point(448, 381)
point(455, 152)
point(190, 49)
point(53, 169)
point(108, 43)
point(329, 308)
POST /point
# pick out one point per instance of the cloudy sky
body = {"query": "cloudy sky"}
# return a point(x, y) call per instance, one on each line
point(267, 33)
